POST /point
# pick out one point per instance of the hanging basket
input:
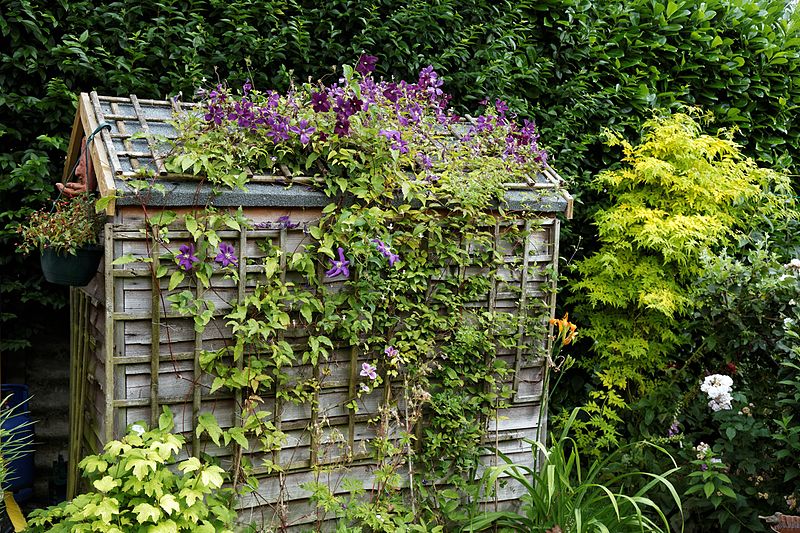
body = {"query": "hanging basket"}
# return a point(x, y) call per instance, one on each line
point(74, 270)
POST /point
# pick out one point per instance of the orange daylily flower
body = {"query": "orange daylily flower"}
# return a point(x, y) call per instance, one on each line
point(566, 329)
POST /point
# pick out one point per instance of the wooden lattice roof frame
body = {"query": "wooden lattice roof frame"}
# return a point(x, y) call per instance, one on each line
point(119, 153)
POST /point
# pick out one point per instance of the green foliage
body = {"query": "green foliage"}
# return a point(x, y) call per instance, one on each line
point(747, 315)
point(70, 224)
point(396, 271)
point(681, 194)
point(561, 494)
point(14, 443)
point(133, 488)
point(574, 66)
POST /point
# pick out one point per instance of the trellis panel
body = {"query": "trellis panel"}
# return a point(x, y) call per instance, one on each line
point(133, 353)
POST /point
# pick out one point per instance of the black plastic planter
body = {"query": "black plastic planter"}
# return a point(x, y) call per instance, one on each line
point(74, 270)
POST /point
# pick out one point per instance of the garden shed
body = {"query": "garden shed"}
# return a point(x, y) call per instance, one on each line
point(132, 353)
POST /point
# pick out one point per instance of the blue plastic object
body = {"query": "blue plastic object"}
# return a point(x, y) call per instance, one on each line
point(21, 469)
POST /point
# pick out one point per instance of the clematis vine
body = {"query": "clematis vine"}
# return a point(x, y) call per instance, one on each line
point(369, 371)
point(385, 251)
point(393, 354)
point(339, 267)
point(320, 102)
point(304, 131)
point(366, 64)
point(227, 255)
point(285, 222)
point(186, 258)
point(397, 141)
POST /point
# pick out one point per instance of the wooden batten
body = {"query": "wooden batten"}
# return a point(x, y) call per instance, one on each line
point(97, 151)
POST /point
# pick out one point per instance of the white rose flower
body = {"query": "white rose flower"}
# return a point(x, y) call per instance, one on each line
point(716, 384)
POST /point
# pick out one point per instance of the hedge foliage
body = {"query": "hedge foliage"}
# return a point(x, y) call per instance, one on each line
point(575, 66)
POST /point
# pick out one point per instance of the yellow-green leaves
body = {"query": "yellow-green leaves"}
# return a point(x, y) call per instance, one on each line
point(133, 485)
point(679, 194)
point(169, 504)
point(145, 512)
point(106, 483)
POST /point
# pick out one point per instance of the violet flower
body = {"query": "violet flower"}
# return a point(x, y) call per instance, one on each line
point(227, 255)
point(279, 128)
point(339, 267)
point(342, 126)
point(385, 251)
point(303, 130)
point(392, 353)
point(392, 92)
point(674, 429)
point(501, 107)
point(397, 141)
point(369, 371)
point(320, 102)
point(285, 222)
point(366, 64)
point(186, 258)
point(484, 123)
point(424, 160)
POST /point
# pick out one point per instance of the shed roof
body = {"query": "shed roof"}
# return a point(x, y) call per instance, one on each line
point(132, 145)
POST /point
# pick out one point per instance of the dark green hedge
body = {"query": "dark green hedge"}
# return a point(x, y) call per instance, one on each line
point(576, 66)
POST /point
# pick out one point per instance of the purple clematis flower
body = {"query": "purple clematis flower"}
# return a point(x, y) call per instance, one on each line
point(392, 353)
point(342, 126)
point(368, 371)
point(392, 92)
point(366, 64)
point(385, 251)
point(186, 258)
point(382, 248)
point(339, 267)
point(502, 108)
point(424, 160)
point(397, 141)
point(303, 130)
point(320, 102)
point(285, 222)
point(227, 255)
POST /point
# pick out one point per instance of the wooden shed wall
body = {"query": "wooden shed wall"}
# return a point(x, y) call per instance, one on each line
point(128, 334)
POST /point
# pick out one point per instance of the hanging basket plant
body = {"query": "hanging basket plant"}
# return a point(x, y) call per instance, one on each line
point(68, 239)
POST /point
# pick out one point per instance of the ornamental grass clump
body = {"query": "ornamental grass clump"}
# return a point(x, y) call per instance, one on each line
point(564, 494)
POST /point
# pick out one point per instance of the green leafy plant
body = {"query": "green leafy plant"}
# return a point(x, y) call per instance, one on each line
point(14, 443)
point(416, 233)
point(562, 494)
point(679, 195)
point(70, 224)
point(135, 488)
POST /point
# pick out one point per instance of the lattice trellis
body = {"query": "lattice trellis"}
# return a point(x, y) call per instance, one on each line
point(124, 333)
